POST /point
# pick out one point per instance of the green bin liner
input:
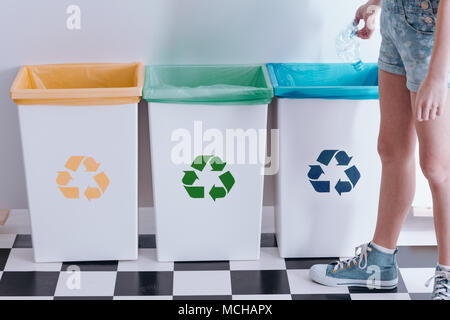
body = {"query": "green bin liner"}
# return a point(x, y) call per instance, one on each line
point(208, 84)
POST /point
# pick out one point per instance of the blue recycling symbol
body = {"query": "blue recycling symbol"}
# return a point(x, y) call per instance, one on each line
point(343, 185)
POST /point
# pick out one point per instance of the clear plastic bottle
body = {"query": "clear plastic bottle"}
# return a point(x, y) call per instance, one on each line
point(347, 46)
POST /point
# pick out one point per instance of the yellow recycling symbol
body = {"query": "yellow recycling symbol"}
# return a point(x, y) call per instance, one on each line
point(64, 177)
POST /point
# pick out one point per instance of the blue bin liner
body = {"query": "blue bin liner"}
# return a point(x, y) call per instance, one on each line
point(324, 81)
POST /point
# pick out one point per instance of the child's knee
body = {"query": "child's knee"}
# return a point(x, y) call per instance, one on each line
point(395, 153)
point(437, 171)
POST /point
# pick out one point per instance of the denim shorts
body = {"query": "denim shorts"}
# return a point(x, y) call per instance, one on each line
point(407, 31)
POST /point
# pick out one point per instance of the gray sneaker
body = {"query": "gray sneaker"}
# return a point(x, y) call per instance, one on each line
point(369, 268)
point(441, 290)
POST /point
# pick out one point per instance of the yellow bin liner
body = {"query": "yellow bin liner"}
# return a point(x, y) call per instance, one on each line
point(79, 84)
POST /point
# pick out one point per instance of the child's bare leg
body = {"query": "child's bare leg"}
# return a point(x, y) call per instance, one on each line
point(434, 146)
point(396, 146)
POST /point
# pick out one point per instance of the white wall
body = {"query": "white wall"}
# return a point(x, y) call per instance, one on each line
point(157, 32)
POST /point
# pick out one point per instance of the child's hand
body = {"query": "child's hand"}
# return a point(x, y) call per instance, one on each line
point(431, 98)
point(369, 13)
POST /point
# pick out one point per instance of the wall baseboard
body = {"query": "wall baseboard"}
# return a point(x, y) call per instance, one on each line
point(417, 231)
point(422, 211)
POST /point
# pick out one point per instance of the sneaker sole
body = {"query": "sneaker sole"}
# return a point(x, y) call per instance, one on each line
point(335, 282)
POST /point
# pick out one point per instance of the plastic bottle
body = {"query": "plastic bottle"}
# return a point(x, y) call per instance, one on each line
point(347, 46)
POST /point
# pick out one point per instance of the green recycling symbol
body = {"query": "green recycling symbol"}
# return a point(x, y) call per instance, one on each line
point(217, 165)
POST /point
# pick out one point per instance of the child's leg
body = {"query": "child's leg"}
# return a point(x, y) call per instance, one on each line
point(396, 146)
point(434, 146)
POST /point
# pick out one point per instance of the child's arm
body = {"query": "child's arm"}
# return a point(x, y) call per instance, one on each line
point(432, 95)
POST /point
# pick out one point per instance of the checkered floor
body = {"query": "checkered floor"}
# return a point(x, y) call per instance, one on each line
point(269, 278)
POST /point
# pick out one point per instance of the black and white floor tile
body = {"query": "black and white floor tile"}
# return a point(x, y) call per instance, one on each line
point(269, 278)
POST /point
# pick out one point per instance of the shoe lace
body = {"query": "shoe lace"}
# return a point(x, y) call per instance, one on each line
point(361, 253)
point(441, 288)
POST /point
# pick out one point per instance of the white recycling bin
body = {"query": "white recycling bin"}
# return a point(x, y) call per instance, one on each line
point(207, 131)
point(79, 133)
point(327, 187)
